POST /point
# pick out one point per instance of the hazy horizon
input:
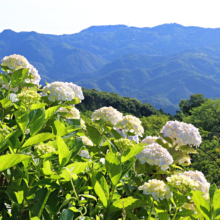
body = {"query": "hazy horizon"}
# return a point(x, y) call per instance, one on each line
point(71, 16)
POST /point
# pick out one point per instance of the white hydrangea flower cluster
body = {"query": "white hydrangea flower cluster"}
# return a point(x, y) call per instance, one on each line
point(44, 149)
point(86, 141)
point(75, 114)
point(182, 133)
point(149, 139)
point(85, 154)
point(15, 62)
point(130, 123)
point(108, 114)
point(35, 76)
point(200, 179)
point(157, 188)
point(182, 182)
point(154, 154)
point(77, 90)
point(59, 91)
point(73, 111)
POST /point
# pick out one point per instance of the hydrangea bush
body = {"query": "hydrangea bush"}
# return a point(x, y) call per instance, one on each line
point(56, 166)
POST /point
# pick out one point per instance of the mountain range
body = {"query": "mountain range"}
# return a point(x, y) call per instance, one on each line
point(159, 65)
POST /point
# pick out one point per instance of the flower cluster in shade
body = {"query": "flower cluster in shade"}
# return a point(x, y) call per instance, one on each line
point(131, 124)
point(73, 113)
point(149, 140)
point(154, 154)
point(200, 179)
point(182, 133)
point(44, 149)
point(85, 154)
point(182, 182)
point(156, 188)
point(29, 96)
point(86, 141)
point(62, 91)
point(108, 114)
point(123, 144)
point(15, 62)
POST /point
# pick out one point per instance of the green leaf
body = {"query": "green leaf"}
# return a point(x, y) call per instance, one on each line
point(167, 139)
point(36, 120)
point(131, 215)
point(188, 149)
point(113, 167)
point(10, 160)
point(94, 134)
point(20, 196)
point(212, 190)
point(18, 76)
point(36, 106)
point(201, 204)
point(51, 111)
point(160, 142)
point(59, 128)
point(179, 199)
point(116, 134)
point(163, 214)
point(35, 218)
point(63, 151)
point(22, 118)
point(5, 102)
point(216, 202)
point(127, 166)
point(127, 203)
point(37, 139)
point(128, 154)
point(78, 167)
point(5, 77)
point(178, 155)
point(88, 196)
point(100, 186)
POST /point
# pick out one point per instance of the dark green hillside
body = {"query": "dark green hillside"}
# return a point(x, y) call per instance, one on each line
point(95, 99)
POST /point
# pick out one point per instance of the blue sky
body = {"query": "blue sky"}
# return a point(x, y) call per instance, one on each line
point(71, 16)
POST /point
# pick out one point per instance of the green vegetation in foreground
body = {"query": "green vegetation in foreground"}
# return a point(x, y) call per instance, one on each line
point(55, 166)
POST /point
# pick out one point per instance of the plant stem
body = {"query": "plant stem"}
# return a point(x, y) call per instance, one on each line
point(44, 203)
point(174, 217)
point(73, 187)
point(151, 208)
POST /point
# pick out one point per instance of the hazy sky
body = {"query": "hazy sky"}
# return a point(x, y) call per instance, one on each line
point(71, 16)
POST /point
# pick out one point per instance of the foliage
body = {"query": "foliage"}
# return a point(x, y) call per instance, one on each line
point(95, 99)
point(49, 172)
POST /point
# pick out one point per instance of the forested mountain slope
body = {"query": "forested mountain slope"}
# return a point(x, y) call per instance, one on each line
point(159, 65)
